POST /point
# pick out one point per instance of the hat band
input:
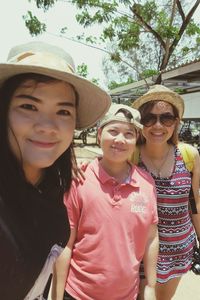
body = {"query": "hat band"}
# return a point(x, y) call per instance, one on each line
point(42, 59)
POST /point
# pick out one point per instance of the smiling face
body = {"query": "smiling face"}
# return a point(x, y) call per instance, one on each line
point(117, 140)
point(42, 118)
point(163, 128)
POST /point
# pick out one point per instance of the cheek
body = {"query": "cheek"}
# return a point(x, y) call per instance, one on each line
point(144, 131)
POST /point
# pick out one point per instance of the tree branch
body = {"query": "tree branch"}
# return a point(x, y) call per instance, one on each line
point(91, 46)
point(148, 27)
point(181, 12)
point(184, 26)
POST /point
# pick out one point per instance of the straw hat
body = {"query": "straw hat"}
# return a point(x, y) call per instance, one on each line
point(113, 115)
point(161, 93)
point(50, 60)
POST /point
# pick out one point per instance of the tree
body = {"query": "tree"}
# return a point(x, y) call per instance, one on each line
point(164, 30)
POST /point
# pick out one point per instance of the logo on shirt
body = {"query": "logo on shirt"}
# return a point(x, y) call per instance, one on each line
point(138, 203)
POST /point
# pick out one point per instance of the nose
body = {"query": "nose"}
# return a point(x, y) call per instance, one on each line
point(158, 122)
point(120, 138)
point(46, 124)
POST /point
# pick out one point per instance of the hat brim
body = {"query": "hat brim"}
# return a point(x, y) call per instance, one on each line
point(169, 97)
point(93, 101)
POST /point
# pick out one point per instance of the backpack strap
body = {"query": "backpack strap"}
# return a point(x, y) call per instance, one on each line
point(187, 155)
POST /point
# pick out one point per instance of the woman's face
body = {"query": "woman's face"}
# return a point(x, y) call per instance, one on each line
point(42, 118)
point(118, 140)
point(164, 124)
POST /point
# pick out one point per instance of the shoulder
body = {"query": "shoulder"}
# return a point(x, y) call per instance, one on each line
point(187, 148)
point(143, 175)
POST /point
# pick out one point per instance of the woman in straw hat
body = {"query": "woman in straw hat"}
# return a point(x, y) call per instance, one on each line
point(161, 111)
point(42, 101)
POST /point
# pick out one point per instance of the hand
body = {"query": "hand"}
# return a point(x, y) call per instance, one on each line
point(78, 173)
point(149, 293)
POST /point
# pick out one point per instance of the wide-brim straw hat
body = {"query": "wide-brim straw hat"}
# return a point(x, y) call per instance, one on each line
point(46, 59)
point(161, 93)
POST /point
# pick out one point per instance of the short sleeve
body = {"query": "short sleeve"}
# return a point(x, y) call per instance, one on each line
point(72, 203)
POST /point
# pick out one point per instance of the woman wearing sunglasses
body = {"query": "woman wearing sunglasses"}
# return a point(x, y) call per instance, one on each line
point(161, 111)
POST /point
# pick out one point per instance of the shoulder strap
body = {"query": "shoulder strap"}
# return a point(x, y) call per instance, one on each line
point(187, 154)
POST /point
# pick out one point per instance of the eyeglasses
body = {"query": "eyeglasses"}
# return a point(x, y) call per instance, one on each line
point(166, 119)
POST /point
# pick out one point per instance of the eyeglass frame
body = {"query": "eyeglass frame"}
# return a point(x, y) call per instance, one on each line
point(159, 117)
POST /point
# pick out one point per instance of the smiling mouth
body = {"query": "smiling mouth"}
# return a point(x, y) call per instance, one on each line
point(157, 133)
point(43, 144)
point(117, 149)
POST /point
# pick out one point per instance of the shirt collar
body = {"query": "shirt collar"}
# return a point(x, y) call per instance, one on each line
point(104, 177)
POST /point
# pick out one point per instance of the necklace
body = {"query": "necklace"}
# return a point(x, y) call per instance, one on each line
point(160, 168)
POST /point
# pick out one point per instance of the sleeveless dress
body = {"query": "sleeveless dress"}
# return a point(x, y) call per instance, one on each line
point(176, 231)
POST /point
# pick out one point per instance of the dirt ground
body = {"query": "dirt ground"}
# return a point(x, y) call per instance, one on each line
point(189, 287)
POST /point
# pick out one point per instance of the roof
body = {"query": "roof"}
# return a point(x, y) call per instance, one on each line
point(185, 77)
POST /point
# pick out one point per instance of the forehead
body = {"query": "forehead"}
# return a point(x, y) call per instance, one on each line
point(119, 125)
point(55, 87)
point(162, 107)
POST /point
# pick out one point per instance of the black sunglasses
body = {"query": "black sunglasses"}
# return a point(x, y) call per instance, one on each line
point(166, 119)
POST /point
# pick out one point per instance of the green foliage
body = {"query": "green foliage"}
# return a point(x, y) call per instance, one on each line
point(34, 26)
point(192, 29)
point(95, 81)
point(148, 11)
point(113, 84)
point(185, 50)
point(149, 73)
point(115, 57)
point(45, 4)
point(155, 33)
point(82, 70)
point(179, 90)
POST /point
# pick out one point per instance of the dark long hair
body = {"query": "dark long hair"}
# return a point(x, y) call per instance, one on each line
point(11, 171)
point(34, 218)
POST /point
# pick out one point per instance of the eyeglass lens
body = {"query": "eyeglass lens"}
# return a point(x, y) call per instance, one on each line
point(166, 119)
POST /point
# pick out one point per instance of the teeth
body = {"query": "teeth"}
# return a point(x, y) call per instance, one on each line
point(156, 133)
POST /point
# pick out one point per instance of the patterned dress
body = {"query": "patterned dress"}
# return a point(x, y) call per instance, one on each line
point(176, 232)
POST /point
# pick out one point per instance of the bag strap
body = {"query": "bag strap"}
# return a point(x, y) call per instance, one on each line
point(187, 155)
point(186, 152)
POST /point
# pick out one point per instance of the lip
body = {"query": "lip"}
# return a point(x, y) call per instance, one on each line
point(157, 133)
point(41, 144)
point(117, 149)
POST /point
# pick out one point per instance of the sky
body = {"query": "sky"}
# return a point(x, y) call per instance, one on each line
point(13, 31)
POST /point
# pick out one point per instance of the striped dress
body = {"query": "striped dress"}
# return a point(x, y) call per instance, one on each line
point(176, 232)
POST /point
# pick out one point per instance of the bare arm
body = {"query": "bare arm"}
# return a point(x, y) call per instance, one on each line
point(195, 187)
point(61, 268)
point(150, 262)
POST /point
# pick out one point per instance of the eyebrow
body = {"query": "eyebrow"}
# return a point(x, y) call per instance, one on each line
point(65, 103)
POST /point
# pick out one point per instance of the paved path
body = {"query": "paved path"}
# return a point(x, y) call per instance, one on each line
point(189, 287)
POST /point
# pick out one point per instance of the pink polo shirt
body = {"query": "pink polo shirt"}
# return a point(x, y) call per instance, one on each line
point(113, 221)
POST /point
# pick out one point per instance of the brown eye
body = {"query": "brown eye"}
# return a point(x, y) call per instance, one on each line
point(28, 107)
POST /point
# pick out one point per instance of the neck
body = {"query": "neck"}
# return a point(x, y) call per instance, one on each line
point(120, 171)
point(33, 175)
point(156, 151)
point(158, 160)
